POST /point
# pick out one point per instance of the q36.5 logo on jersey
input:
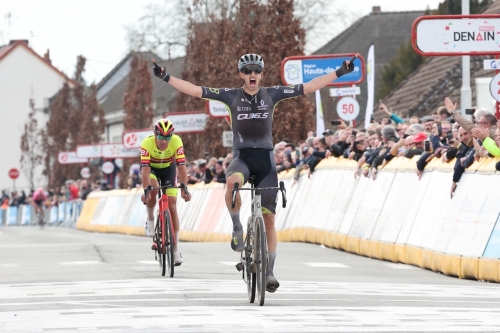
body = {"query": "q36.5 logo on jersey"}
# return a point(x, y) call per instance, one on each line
point(144, 152)
point(245, 116)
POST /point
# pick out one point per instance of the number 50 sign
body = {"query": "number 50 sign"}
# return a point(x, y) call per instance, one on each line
point(348, 109)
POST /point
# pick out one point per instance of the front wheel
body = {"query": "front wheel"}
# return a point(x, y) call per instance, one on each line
point(260, 257)
point(251, 280)
point(169, 241)
point(160, 245)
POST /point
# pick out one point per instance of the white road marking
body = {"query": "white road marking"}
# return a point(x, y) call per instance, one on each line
point(326, 264)
point(9, 265)
point(228, 263)
point(401, 266)
point(78, 263)
point(148, 262)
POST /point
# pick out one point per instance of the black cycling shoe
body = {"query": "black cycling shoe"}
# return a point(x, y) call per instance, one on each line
point(272, 284)
point(237, 243)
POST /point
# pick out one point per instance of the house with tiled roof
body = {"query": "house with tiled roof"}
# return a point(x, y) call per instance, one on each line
point(111, 89)
point(386, 30)
point(24, 76)
point(439, 77)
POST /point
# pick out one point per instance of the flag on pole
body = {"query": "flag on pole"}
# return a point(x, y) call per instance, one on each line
point(320, 122)
point(370, 70)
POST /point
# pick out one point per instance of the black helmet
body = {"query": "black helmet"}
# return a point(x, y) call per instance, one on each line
point(250, 59)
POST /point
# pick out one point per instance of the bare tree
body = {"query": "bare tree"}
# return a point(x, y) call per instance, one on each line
point(165, 28)
point(31, 146)
point(137, 104)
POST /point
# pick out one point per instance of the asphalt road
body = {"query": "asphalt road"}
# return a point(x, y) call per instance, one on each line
point(61, 279)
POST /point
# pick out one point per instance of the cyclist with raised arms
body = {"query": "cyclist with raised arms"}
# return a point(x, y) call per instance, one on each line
point(251, 109)
point(162, 157)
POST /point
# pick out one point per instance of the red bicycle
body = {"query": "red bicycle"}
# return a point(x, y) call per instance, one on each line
point(164, 238)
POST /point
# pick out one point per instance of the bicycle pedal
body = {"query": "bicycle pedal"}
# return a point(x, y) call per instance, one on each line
point(239, 266)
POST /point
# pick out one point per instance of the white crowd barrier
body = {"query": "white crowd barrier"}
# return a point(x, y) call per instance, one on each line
point(66, 213)
point(396, 217)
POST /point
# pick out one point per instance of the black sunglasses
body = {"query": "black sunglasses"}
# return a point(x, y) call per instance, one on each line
point(249, 69)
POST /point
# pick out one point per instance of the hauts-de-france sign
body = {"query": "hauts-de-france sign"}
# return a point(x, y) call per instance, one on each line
point(302, 69)
point(448, 35)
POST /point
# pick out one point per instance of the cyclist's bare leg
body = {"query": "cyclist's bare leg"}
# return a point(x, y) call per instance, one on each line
point(172, 205)
point(237, 237)
point(150, 204)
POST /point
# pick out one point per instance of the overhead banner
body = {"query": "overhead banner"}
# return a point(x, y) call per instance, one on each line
point(370, 81)
point(69, 157)
point(88, 151)
point(456, 35)
point(302, 69)
point(188, 122)
point(117, 150)
point(133, 139)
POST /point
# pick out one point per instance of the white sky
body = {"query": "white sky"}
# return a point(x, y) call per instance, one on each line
point(95, 28)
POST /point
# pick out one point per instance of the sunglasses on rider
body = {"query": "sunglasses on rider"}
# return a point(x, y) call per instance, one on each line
point(164, 138)
point(249, 69)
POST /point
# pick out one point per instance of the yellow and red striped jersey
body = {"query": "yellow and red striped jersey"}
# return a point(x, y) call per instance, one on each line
point(155, 158)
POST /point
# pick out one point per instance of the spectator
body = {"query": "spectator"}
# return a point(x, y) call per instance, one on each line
point(435, 116)
point(4, 196)
point(414, 120)
point(443, 113)
point(220, 175)
point(417, 147)
point(391, 115)
point(14, 201)
point(428, 121)
point(463, 149)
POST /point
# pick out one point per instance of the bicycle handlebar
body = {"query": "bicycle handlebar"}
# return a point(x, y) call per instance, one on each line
point(164, 187)
point(281, 188)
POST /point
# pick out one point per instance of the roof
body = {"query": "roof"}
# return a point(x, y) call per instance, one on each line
point(438, 77)
point(6, 49)
point(111, 88)
point(386, 30)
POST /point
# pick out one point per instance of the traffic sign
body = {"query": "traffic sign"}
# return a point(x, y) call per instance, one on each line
point(108, 167)
point(302, 69)
point(85, 172)
point(13, 173)
point(348, 108)
point(495, 87)
point(446, 35)
point(335, 92)
point(227, 138)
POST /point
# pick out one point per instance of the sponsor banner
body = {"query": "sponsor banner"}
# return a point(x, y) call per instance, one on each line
point(337, 92)
point(26, 214)
point(493, 247)
point(133, 139)
point(456, 35)
point(11, 215)
point(346, 185)
point(88, 151)
point(188, 122)
point(302, 69)
point(491, 64)
point(118, 150)
point(69, 157)
point(217, 109)
point(53, 215)
point(61, 211)
point(370, 68)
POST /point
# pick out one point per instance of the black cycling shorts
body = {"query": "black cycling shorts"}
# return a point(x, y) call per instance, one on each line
point(166, 176)
point(260, 163)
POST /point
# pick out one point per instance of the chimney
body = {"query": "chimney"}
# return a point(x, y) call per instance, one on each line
point(376, 9)
point(46, 56)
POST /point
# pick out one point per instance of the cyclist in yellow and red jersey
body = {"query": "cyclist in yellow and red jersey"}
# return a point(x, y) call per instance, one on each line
point(162, 157)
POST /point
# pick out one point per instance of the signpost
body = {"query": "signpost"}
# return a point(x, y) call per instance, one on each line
point(227, 139)
point(440, 35)
point(348, 108)
point(13, 174)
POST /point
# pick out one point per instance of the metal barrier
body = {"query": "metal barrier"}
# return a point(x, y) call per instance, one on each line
point(64, 214)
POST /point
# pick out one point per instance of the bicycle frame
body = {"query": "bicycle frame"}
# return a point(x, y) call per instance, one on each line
point(162, 208)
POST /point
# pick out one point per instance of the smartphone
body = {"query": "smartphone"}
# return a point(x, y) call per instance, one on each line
point(354, 133)
point(469, 111)
point(427, 146)
point(449, 135)
point(336, 122)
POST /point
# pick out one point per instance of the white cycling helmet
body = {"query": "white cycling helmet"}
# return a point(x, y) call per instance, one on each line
point(250, 59)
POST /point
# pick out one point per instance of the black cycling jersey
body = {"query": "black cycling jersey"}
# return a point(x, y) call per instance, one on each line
point(252, 116)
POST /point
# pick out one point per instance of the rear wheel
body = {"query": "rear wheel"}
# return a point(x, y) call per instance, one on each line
point(169, 241)
point(260, 258)
point(159, 240)
point(251, 281)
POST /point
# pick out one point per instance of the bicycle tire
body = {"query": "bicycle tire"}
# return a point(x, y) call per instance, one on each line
point(159, 246)
point(251, 277)
point(169, 243)
point(260, 258)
